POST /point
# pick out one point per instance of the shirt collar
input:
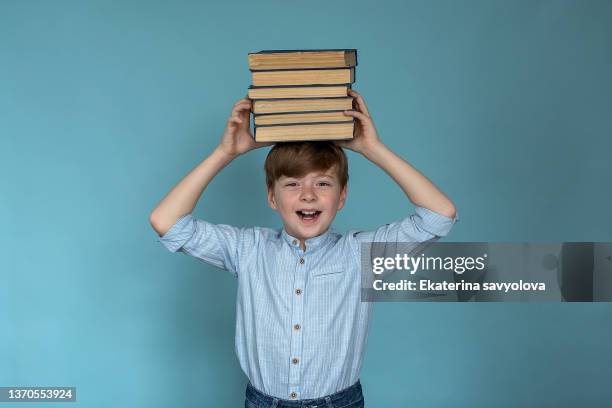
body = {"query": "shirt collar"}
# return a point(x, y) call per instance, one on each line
point(310, 243)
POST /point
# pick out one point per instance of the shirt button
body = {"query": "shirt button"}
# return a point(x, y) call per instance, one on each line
point(302, 261)
point(294, 242)
point(297, 327)
point(295, 360)
point(298, 291)
point(293, 395)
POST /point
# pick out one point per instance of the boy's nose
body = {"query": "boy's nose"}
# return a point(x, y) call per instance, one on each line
point(307, 194)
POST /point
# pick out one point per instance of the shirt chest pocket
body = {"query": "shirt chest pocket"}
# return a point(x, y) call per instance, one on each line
point(329, 272)
point(327, 286)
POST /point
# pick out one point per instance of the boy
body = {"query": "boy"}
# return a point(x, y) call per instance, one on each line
point(301, 328)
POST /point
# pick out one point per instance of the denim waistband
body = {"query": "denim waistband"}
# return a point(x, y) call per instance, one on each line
point(338, 399)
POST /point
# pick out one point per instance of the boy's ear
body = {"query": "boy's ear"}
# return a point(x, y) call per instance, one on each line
point(343, 195)
point(272, 199)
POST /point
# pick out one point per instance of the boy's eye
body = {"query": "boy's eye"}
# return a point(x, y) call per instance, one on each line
point(291, 184)
point(324, 183)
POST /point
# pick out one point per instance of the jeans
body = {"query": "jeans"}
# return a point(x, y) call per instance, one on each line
point(350, 397)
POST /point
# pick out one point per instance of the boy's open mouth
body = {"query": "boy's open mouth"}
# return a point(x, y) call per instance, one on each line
point(308, 215)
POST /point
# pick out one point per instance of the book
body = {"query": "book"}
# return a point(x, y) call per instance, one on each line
point(297, 118)
point(300, 95)
point(304, 77)
point(295, 59)
point(301, 105)
point(292, 133)
point(322, 91)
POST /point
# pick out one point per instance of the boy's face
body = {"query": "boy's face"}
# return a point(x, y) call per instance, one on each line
point(307, 204)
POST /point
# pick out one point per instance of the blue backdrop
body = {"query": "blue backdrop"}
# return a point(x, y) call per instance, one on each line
point(105, 105)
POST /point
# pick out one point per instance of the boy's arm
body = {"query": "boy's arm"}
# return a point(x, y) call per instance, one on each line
point(183, 197)
point(419, 189)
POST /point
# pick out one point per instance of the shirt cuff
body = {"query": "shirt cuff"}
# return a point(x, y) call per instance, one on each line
point(433, 222)
point(179, 233)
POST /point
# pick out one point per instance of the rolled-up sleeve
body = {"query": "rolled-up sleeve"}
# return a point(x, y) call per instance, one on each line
point(423, 225)
point(215, 244)
point(410, 235)
point(427, 221)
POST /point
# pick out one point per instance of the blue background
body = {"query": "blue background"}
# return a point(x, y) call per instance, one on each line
point(105, 105)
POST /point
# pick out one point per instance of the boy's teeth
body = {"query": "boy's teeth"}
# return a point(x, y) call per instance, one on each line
point(308, 214)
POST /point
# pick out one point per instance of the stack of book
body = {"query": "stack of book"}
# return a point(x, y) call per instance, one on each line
point(301, 94)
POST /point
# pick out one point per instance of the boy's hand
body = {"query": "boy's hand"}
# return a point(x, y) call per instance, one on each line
point(237, 138)
point(365, 137)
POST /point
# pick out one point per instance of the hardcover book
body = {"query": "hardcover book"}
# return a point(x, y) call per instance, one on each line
point(301, 94)
point(296, 59)
point(297, 118)
point(323, 91)
point(301, 105)
point(304, 77)
point(292, 133)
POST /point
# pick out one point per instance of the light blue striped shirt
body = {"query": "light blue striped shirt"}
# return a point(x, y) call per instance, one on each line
point(301, 328)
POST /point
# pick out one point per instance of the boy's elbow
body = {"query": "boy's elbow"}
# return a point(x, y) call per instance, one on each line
point(449, 211)
point(157, 224)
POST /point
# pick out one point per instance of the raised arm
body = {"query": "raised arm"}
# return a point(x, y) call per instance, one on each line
point(183, 197)
point(419, 189)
